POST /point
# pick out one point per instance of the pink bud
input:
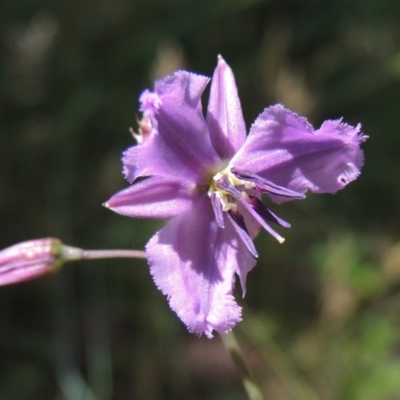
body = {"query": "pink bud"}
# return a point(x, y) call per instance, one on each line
point(29, 260)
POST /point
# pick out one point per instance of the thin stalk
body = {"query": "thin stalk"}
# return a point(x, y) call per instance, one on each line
point(69, 253)
point(96, 254)
point(232, 347)
point(256, 330)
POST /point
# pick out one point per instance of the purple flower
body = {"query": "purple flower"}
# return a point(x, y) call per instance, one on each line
point(208, 177)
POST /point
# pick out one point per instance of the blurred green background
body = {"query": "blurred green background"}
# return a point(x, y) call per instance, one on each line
point(322, 313)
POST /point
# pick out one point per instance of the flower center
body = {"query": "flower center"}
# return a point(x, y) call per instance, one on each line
point(225, 197)
point(227, 191)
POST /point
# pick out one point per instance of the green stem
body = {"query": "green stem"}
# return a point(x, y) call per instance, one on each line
point(96, 254)
point(233, 349)
point(69, 253)
point(256, 330)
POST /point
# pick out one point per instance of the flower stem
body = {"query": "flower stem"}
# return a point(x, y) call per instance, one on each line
point(232, 347)
point(69, 253)
point(257, 331)
point(96, 254)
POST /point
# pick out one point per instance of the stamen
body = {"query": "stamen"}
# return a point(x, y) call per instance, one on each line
point(266, 213)
point(249, 185)
point(240, 227)
point(264, 186)
point(258, 218)
point(229, 206)
point(218, 176)
point(224, 185)
point(144, 125)
point(143, 131)
point(136, 136)
point(245, 196)
point(216, 205)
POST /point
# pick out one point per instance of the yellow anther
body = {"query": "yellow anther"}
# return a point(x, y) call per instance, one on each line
point(245, 196)
point(224, 196)
point(229, 206)
point(249, 185)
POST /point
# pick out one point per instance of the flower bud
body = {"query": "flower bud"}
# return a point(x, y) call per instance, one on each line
point(30, 259)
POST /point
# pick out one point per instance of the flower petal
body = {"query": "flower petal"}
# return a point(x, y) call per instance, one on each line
point(224, 114)
point(154, 197)
point(283, 148)
point(193, 262)
point(181, 146)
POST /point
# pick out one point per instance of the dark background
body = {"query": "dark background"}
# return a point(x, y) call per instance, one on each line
point(322, 312)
